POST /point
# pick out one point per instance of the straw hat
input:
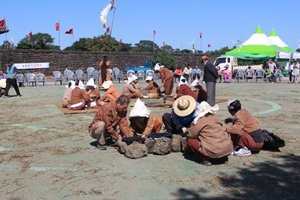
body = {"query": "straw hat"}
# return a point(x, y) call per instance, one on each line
point(134, 77)
point(203, 108)
point(195, 83)
point(139, 110)
point(149, 78)
point(184, 105)
point(91, 82)
point(107, 84)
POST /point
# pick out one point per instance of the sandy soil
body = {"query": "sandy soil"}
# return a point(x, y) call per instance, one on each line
point(45, 154)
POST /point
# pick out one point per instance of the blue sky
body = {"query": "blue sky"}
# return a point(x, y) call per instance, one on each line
point(176, 22)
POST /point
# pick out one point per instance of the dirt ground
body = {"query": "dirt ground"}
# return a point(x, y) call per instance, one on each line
point(45, 154)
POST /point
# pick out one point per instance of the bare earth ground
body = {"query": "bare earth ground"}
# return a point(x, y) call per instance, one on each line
point(45, 154)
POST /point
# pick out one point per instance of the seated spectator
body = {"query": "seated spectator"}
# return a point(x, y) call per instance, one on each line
point(181, 116)
point(110, 121)
point(130, 91)
point(79, 98)
point(2, 86)
point(111, 94)
point(268, 74)
point(67, 95)
point(152, 88)
point(93, 92)
point(177, 73)
point(2, 75)
point(196, 73)
point(142, 121)
point(199, 91)
point(184, 89)
point(187, 72)
point(245, 132)
point(207, 138)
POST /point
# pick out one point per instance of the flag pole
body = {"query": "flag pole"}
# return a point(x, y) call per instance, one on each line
point(59, 37)
point(112, 23)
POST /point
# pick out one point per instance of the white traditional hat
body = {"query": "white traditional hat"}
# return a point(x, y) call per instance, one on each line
point(157, 67)
point(3, 83)
point(107, 84)
point(149, 78)
point(81, 85)
point(182, 81)
point(203, 108)
point(139, 110)
point(134, 77)
point(72, 84)
point(91, 82)
point(129, 80)
point(195, 83)
point(184, 105)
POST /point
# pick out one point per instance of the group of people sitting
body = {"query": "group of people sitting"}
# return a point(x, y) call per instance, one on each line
point(188, 73)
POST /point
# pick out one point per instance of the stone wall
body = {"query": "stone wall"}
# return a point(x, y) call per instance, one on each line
point(84, 59)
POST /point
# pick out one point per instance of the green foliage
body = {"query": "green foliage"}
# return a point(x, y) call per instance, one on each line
point(7, 45)
point(37, 41)
point(146, 46)
point(165, 59)
point(167, 49)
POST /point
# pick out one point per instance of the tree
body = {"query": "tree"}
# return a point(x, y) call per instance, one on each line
point(165, 59)
point(7, 45)
point(145, 46)
point(168, 49)
point(37, 41)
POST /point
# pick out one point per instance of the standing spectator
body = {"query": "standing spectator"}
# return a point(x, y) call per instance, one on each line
point(177, 73)
point(295, 72)
point(187, 72)
point(289, 66)
point(210, 76)
point(167, 78)
point(196, 73)
point(110, 120)
point(272, 67)
point(11, 79)
point(220, 73)
point(227, 74)
point(104, 71)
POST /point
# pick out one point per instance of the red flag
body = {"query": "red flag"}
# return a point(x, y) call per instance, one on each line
point(57, 26)
point(30, 34)
point(208, 45)
point(121, 41)
point(70, 31)
point(2, 23)
point(200, 34)
point(154, 32)
point(164, 43)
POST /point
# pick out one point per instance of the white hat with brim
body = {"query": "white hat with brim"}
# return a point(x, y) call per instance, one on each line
point(231, 101)
point(91, 82)
point(129, 80)
point(149, 78)
point(184, 105)
point(195, 83)
point(157, 67)
point(182, 81)
point(107, 84)
point(203, 108)
point(72, 84)
point(139, 110)
point(134, 77)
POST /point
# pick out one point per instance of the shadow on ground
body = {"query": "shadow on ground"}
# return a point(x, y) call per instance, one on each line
point(265, 180)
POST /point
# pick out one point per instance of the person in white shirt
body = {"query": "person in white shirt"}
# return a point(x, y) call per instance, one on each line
point(187, 71)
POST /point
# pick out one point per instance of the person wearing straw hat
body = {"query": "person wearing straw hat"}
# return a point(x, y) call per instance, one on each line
point(167, 78)
point(91, 90)
point(111, 94)
point(199, 91)
point(210, 77)
point(245, 131)
point(79, 98)
point(142, 121)
point(181, 116)
point(130, 91)
point(67, 95)
point(207, 137)
point(152, 88)
point(110, 121)
point(184, 89)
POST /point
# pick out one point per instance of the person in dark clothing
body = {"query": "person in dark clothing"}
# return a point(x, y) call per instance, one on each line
point(11, 79)
point(210, 76)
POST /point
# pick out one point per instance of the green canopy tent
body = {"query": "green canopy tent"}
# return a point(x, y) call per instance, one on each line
point(277, 41)
point(258, 46)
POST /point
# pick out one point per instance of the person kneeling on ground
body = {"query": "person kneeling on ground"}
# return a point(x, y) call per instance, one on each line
point(245, 132)
point(142, 120)
point(111, 94)
point(152, 88)
point(130, 91)
point(181, 116)
point(93, 92)
point(67, 95)
point(199, 91)
point(184, 89)
point(207, 138)
point(109, 121)
point(79, 98)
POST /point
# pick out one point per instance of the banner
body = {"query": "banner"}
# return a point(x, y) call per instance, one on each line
point(2, 23)
point(31, 65)
point(70, 31)
point(57, 26)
